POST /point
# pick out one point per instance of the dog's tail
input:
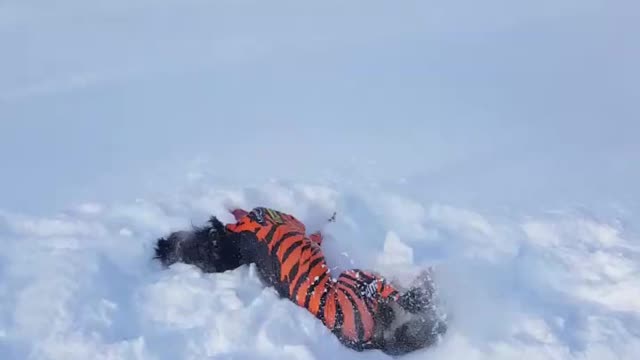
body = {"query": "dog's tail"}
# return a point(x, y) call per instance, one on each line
point(208, 247)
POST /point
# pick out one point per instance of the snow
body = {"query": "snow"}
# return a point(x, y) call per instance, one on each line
point(81, 284)
point(494, 141)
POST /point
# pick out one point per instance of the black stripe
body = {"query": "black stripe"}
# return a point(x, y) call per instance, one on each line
point(356, 313)
point(339, 317)
point(361, 295)
point(312, 288)
point(302, 252)
point(370, 309)
point(366, 276)
point(349, 277)
point(323, 302)
point(308, 258)
point(290, 250)
point(315, 262)
point(301, 281)
point(350, 286)
point(282, 239)
point(271, 232)
point(292, 274)
point(315, 250)
point(303, 277)
point(294, 270)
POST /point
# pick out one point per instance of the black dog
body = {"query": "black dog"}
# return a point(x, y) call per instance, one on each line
point(361, 308)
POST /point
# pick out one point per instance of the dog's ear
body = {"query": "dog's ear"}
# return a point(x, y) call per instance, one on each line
point(217, 225)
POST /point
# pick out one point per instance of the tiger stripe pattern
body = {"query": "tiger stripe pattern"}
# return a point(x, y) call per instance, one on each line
point(346, 305)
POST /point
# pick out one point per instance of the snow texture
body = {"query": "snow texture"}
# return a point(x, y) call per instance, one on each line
point(81, 284)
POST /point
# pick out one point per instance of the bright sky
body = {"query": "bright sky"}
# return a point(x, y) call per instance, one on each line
point(492, 101)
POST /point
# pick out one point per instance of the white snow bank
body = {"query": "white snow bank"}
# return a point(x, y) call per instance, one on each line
point(81, 285)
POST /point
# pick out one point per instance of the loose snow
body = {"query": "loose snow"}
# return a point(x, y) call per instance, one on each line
point(81, 284)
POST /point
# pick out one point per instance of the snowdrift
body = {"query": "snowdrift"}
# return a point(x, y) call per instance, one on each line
point(80, 284)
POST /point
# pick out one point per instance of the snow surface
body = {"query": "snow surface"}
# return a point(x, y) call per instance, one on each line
point(494, 140)
point(80, 284)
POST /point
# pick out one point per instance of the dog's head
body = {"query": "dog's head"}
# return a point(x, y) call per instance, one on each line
point(209, 248)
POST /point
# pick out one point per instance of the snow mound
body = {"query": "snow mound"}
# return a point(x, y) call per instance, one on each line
point(81, 285)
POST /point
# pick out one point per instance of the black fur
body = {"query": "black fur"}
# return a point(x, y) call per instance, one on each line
point(413, 335)
point(210, 248)
point(416, 299)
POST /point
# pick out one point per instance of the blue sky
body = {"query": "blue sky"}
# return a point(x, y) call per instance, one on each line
point(499, 102)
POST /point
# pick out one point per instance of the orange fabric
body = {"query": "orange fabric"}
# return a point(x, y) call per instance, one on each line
point(316, 237)
point(314, 302)
point(365, 316)
point(303, 269)
point(287, 244)
point(239, 214)
point(330, 310)
point(290, 261)
point(349, 324)
point(277, 235)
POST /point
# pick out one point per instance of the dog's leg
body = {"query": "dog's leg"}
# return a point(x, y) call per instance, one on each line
point(210, 248)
